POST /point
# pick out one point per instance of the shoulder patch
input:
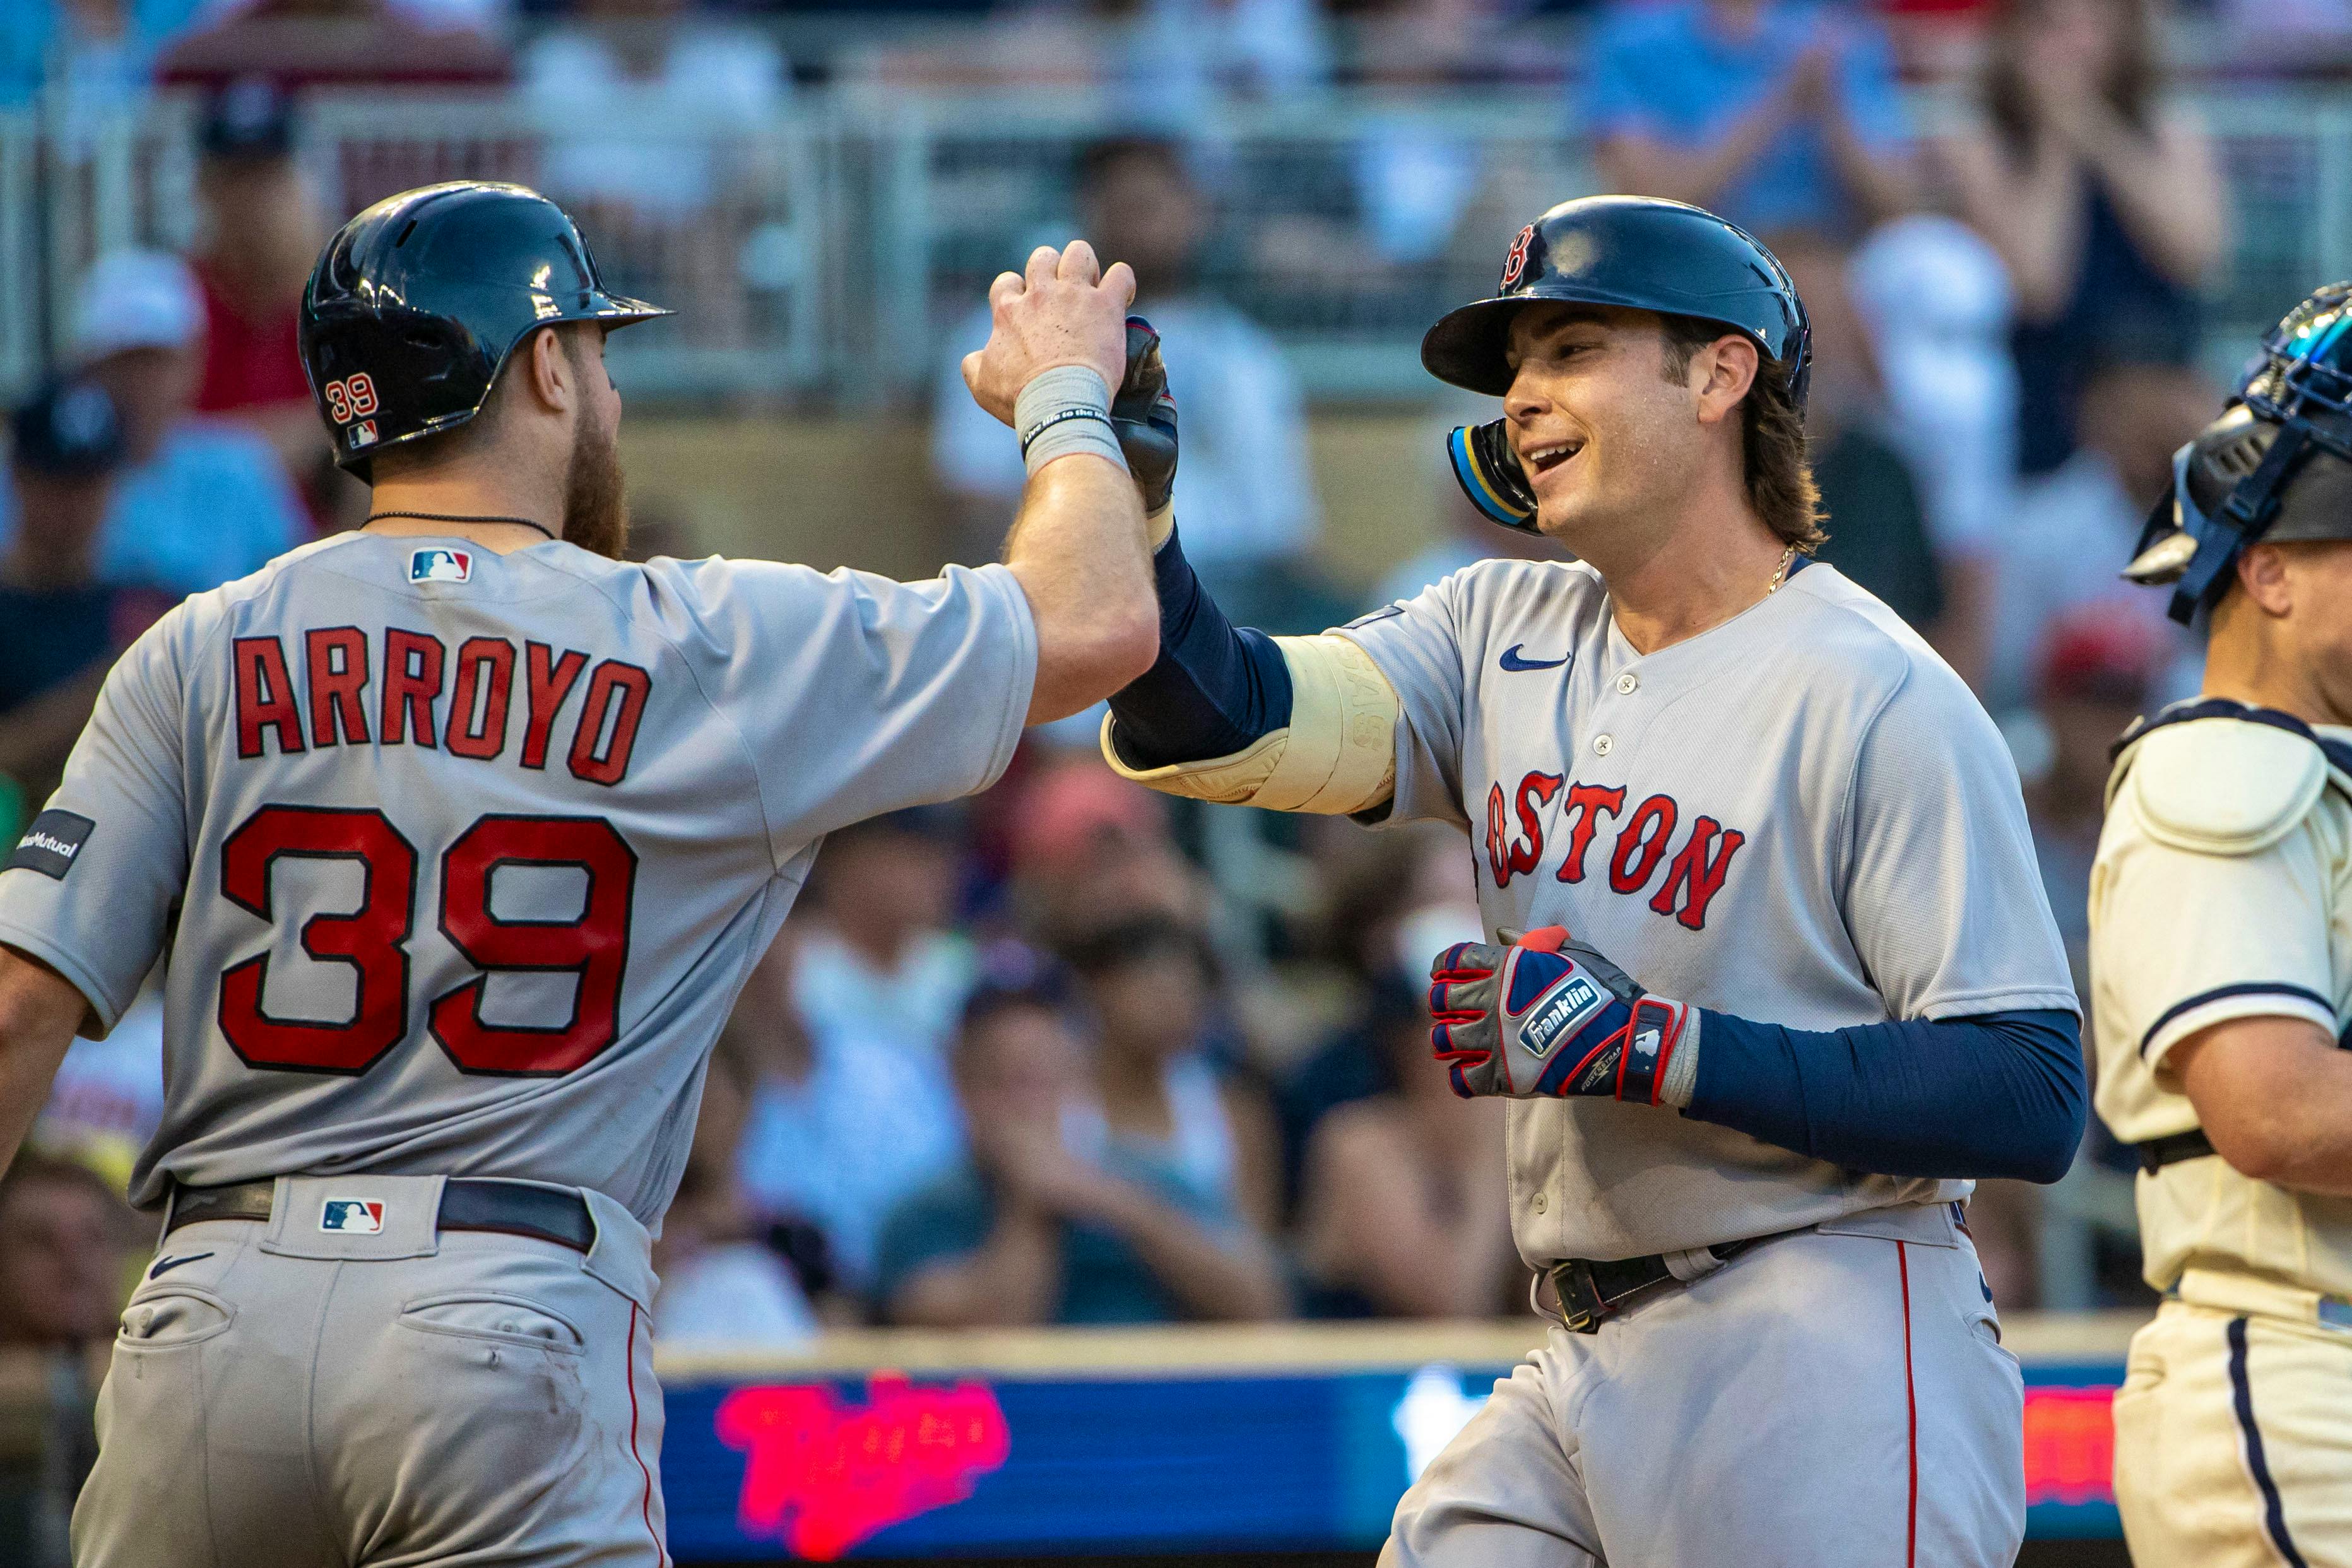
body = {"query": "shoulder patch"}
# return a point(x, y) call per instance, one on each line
point(2222, 785)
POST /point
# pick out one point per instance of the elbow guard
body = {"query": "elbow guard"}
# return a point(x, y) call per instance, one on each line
point(1337, 755)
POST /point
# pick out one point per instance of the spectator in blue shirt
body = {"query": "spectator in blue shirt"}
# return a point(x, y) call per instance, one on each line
point(97, 56)
point(62, 619)
point(199, 501)
point(1047, 1220)
point(1775, 114)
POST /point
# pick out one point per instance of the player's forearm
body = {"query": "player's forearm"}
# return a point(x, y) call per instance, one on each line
point(1287, 724)
point(1221, 1278)
point(39, 1012)
point(2274, 1095)
point(1998, 1096)
point(1077, 549)
point(1213, 689)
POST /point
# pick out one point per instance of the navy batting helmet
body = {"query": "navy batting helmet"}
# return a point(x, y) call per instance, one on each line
point(417, 303)
point(1640, 252)
point(2248, 474)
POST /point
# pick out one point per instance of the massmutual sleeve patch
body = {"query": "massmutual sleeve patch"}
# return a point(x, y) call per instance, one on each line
point(50, 845)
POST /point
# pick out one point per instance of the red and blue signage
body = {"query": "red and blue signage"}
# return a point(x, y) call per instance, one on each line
point(907, 1466)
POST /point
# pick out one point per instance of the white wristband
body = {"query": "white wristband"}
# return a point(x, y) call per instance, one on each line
point(1065, 410)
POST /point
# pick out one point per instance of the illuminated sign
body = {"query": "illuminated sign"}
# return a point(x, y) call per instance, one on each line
point(821, 1474)
point(1153, 1462)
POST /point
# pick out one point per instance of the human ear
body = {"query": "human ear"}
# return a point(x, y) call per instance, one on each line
point(2262, 573)
point(553, 380)
point(1723, 370)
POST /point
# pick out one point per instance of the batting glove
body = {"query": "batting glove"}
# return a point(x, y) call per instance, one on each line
point(1540, 1016)
point(1143, 416)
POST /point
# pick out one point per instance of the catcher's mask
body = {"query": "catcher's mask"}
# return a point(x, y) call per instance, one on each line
point(2249, 476)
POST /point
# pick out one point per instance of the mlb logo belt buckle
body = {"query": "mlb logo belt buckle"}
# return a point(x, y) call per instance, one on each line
point(351, 1216)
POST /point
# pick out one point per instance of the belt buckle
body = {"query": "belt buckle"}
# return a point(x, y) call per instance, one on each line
point(1581, 1304)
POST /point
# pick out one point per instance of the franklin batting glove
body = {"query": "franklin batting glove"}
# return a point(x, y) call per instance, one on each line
point(1542, 1016)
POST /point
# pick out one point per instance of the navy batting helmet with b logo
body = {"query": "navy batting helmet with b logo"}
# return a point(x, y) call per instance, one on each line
point(1640, 252)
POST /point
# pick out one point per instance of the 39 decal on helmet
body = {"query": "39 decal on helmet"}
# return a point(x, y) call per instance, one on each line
point(2248, 474)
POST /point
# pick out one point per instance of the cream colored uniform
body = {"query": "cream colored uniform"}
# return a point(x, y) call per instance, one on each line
point(2222, 890)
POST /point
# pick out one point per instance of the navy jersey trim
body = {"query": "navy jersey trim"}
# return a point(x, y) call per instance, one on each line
point(2210, 707)
point(2339, 755)
point(2242, 1399)
point(2242, 988)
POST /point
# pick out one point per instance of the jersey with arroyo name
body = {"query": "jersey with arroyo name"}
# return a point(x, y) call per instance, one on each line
point(2188, 934)
point(461, 858)
point(1799, 816)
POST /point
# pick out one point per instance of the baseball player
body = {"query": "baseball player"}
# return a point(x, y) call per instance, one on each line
point(1788, 979)
point(458, 836)
point(2221, 985)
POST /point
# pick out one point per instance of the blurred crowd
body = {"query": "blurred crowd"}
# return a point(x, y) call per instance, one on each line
point(1071, 1053)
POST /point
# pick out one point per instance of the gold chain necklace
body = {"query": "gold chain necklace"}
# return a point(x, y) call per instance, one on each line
point(1788, 558)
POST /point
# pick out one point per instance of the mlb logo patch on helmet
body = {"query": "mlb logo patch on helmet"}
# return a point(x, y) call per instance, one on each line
point(353, 1215)
point(437, 565)
point(361, 435)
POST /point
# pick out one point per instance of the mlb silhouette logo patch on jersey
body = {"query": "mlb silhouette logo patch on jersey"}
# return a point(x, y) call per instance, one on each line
point(353, 1215)
point(438, 565)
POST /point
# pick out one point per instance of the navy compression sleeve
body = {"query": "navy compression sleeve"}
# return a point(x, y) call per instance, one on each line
point(1214, 689)
point(2001, 1095)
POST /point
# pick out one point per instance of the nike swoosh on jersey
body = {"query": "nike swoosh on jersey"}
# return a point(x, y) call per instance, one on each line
point(1512, 662)
point(165, 1265)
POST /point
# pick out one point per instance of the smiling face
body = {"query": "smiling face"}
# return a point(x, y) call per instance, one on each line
point(1611, 441)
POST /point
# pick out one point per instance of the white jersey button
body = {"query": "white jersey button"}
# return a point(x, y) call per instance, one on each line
point(1602, 745)
point(1626, 683)
point(1540, 1201)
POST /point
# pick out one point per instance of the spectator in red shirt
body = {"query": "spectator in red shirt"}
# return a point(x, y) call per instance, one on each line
point(262, 230)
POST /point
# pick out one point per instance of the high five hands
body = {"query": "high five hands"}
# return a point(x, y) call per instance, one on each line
point(1063, 310)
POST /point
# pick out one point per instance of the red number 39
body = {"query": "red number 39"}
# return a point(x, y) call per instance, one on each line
point(352, 398)
point(372, 940)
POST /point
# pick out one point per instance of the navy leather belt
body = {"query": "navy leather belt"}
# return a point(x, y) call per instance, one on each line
point(467, 1203)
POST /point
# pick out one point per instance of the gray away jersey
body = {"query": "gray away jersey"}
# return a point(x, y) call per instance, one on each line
point(1800, 816)
point(460, 858)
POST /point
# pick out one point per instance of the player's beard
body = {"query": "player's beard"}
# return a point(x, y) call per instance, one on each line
point(595, 496)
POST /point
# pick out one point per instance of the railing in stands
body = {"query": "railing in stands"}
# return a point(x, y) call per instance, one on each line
point(831, 250)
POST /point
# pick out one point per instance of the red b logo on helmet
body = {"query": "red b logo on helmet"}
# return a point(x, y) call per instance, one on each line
point(1515, 264)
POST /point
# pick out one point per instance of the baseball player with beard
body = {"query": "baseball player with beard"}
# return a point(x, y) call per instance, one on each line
point(1786, 983)
point(459, 836)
